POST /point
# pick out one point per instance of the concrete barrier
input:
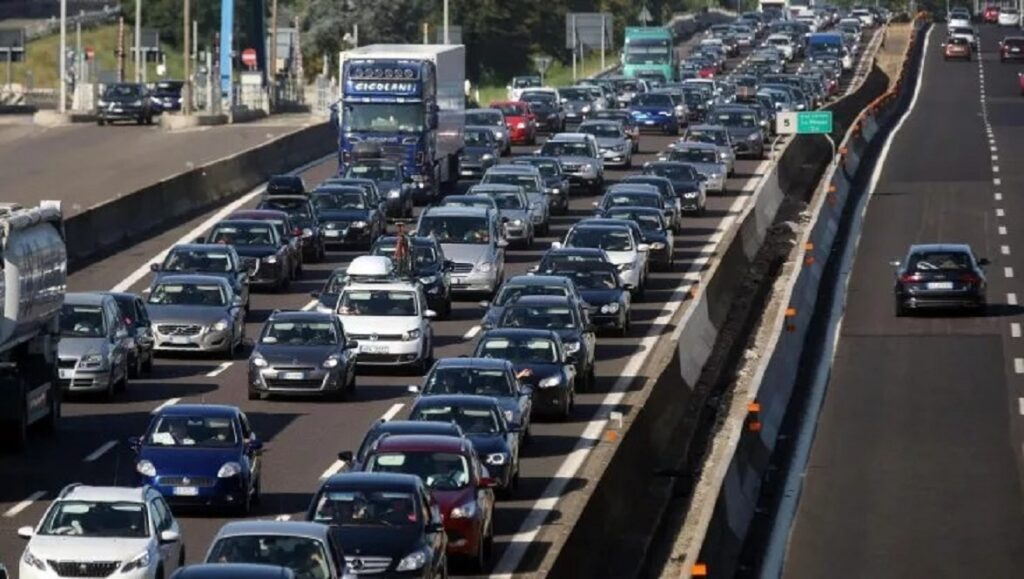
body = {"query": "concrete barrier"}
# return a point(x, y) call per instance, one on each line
point(140, 214)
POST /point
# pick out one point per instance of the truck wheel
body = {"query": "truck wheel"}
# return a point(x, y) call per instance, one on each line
point(49, 424)
point(14, 432)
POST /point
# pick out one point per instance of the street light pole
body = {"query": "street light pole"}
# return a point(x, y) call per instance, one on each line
point(272, 65)
point(186, 92)
point(446, 39)
point(138, 41)
point(62, 103)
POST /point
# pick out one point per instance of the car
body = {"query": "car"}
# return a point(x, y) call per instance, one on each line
point(577, 102)
point(546, 108)
point(655, 111)
point(349, 216)
point(264, 253)
point(627, 121)
point(940, 276)
point(233, 571)
point(991, 14)
point(655, 231)
point(196, 313)
point(608, 299)
point(303, 353)
point(965, 32)
point(101, 531)
point(483, 423)
point(957, 47)
point(125, 101)
point(140, 333)
point(303, 217)
point(389, 523)
point(471, 238)
point(580, 157)
point(784, 43)
point(200, 455)
point(633, 195)
point(286, 185)
point(205, 259)
point(468, 201)
point(529, 179)
point(704, 158)
point(513, 211)
point(1009, 16)
point(744, 128)
point(427, 265)
point(556, 182)
point(621, 244)
point(495, 121)
point(392, 183)
point(93, 352)
point(627, 89)
point(354, 461)
point(166, 95)
point(540, 361)
point(716, 135)
point(1011, 48)
point(459, 485)
point(374, 196)
point(687, 182)
point(570, 257)
point(288, 232)
point(308, 549)
point(616, 148)
point(526, 285)
point(480, 154)
point(520, 84)
point(520, 121)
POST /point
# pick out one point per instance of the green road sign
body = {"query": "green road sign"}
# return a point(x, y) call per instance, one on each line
point(814, 123)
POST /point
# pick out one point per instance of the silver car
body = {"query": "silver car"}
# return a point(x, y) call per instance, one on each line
point(616, 148)
point(580, 158)
point(494, 120)
point(716, 135)
point(705, 159)
point(196, 313)
point(513, 211)
point(471, 238)
point(93, 352)
point(532, 182)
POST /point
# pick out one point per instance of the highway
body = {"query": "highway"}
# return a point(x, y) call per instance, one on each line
point(916, 468)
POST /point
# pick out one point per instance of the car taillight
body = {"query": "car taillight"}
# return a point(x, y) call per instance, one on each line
point(969, 278)
point(911, 277)
point(297, 232)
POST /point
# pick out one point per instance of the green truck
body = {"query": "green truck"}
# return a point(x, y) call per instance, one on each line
point(648, 50)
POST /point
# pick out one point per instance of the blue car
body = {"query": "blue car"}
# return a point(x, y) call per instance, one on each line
point(655, 112)
point(201, 455)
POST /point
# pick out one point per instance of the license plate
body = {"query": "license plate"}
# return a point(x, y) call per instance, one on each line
point(180, 340)
point(186, 491)
point(374, 348)
point(332, 232)
point(117, 110)
point(648, 122)
point(1015, 49)
point(458, 281)
point(939, 285)
point(67, 374)
point(467, 172)
point(293, 376)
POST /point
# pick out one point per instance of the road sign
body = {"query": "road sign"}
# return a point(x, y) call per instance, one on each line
point(645, 16)
point(249, 58)
point(542, 63)
point(812, 123)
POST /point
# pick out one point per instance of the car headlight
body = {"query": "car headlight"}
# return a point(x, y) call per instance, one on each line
point(140, 561)
point(222, 325)
point(101, 103)
point(657, 245)
point(497, 458)
point(714, 176)
point(550, 382)
point(754, 137)
point(394, 194)
point(33, 561)
point(307, 232)
point(412, 335)
point(93, 360)
point(722, 155)
point(521, 126)
point(487, 157)
point(359, 224)
point(331, 362)
point(464, 511)
point(145, 468)
point(229, 470)
point(137, 103)
point(556, 191)
point(517, 222)
point(428, 279)
point(572, 347)
point(259, 361)
point(412, 561)
point(690, 194)
point(270, 259)
point(484, 267)
point(508, 415)
point(585, 109)
point(664, 113)
point(610, 308)
point(497, 134)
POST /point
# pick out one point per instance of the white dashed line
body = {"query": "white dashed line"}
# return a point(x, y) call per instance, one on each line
point(166, 403)
point(470, 333)
point(1015, 330)
point(1008, 272)
point(218, 370)
point(1002, 230)
point(392, 412)
point(1018, 365)
point(995, 157)
point(995, 169)
point(1000, 213)
point(283, 518)
point(101, 451)
point(994, 149)
point(1020, 406)
point(13, 511)
point(997, 181)
point(333, 469)
point(1011, 298)
point(1004, 249)
point(998, 196)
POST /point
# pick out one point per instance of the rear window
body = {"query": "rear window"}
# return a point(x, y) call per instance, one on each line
point(923, 262)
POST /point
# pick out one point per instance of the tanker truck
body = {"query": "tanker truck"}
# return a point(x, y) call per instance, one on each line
point(32, 287)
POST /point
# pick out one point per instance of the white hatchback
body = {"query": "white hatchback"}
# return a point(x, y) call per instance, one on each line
point(391, 322)
point(1009, 17)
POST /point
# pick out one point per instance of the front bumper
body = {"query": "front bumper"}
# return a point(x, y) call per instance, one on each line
point(551, 401)
point(348, 235)
point(558, 200)
point(607, 320)
point(519, 232)
point(121, 113)
point(199, 490)
point(267, 274)
point(79, 380)
point(190, 338)
point(388, 352)
point(296, 381)
point(615, 158)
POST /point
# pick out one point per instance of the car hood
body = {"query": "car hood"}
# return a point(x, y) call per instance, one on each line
point(394, 542)
point(120, 98)
point(685, 185)
point(65, 548)
point(255, 250)
point(345, 215)
point(600, 297)
point(380, 324)
point(485, 444)
point(188, 461)
point(466, 252)
point(741, 132)
point(708, 169)
point(228, 275)
point(512, 214)
point(203, 315)
point(539, 372)
point(620, 257)
point(78, 347)
point(476, 152)
point(606, 142)
point(578, 159)
point(295, 355)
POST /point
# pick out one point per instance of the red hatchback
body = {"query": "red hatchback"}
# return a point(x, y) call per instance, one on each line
point(991, 15)
point(521, 122)
point(457, 480)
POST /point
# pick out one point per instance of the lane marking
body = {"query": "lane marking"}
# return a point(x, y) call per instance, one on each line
point(1011, 298)
point(166, 403)
point(283, 518)
point(470, 333)
point(1000, 213)
point(1004, 249)
point(1008, 272)
point(1015, 330)
point(1020, 405)
point(995, 169)
point(101, 451)
point(1002, 230)
point(21, 506)
point(998, 196)
point(394, 410)
point(333, 469)
point(997, 181)
point(995, 157)
point(218, 370)
point(1018, 365)
point(994, 149)
point(310, 306)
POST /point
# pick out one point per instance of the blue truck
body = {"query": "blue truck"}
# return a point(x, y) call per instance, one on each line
point(410, 100)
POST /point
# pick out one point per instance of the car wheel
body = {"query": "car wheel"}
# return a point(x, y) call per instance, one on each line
point(100, 122)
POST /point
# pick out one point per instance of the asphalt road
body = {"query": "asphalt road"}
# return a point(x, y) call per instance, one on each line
point(916, 468)
point(84, 164)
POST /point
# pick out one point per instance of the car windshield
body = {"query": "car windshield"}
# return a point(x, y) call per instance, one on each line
point(423, 255)
point(188, 294)
point(508, 201)
point(366, 508)
point(546, 168)
point(123, 91)
point(82, 321)
point(359, 302)
point(646, 221)
point(526, 82)
point(552, 262)
point(526, 181)
point(485, 118)
point(606, 238)
point(733, 119)
point(468, 201)
point(574, 94)
point(635, 200)
point(299, 334)
point(441, 471)
point(713, 137)
point(456, 229)
point(540, 98)
point(482, 382)
point(201, 260)
point(253, 234)
point(294, 207)
point(339, 201)
point(510, 110)
point(471, 420)
point(478, 138)
point(519, 350)
point(199, 431)
point(924, 262)
point(512, 292)
point(653, 100)
point(591, 278)
point(602, 130)
point(108, 520)
point(565, 149)
point(373, 171)
point(538, 317)
point(674, 172)
point(305, 556)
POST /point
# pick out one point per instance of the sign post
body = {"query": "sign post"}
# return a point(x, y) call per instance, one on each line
point(249, 58)
point(542, 63)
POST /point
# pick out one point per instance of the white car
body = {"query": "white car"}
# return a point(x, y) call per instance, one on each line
point(965, 32)
point(391, 322)
point(624, 249)
point(783, 43)
point(87, 531)
point(1009, 17)
point(866, 17)
point(958, 20)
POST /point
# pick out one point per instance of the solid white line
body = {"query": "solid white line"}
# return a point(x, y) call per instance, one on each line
point(101, 451)
point(1008, 272)
point(13, 511)
point(218, 370)
point(1000, 213)
point(1011, 298)
point(1015, 330)
point(394, 410)
point(310, 306)
point(283, 518)
point(166, 403)
point(1002, 230)
point(1018, 365)
point(1004, 249)
point(333, 469)
point(470, 333)
point(998, 196)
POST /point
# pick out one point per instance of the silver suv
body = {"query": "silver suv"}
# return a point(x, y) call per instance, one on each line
point(529, 178)
point(616, 148)
point(94, 345)
point(471, 237)
point(580, 157)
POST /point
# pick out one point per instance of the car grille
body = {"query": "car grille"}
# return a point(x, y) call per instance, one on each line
point(572, 167)
point(462, 267)
point(84, 569)
point(251, 263)
point(336, 225)
point(186, 481)
point(368, 565)
point(67, 362)
point(373, 337)
point(279, 384)
point(179, 329)
point(394, 152)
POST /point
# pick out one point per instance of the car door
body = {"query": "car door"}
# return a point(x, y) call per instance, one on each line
point(119, 338)
point(523, 393)
point(252, 452)
point(143, 331)
point(163, 520)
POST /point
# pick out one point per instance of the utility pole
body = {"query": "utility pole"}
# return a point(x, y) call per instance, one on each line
point(138, 42)
point(603, 36)
point(426, 33)
point(573, 25)
point(79, 60)
point(120, 49)
point(272, 65)
point(446, 39)
point(186, 91)
point(355, 35)
point(62, 103)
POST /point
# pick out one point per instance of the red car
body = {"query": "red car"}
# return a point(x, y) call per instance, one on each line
point(522, 124)
point(956, 47)
point(458, 482)
point(991, 15)
point(1020, 80)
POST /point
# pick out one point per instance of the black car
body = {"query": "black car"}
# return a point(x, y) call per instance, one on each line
point(556, 182)
point(303, 216)
point(608, 300)
point(389, 524)
point(302, 353)
point(664, 186)
point(374, 194)
point(565, 316)
point(526, 285)
point(354, 461)
point(624, 196)
point(547, 109)
point(577, 102)
point(348, 216)
point(654, 231)
point(233, 571)
point(264, 253)
point(327, 297)
point(483, 423)
point(391, 181)
point(206, 259)
point(687, 182)
point(125, 101)
point(480, 153)
point(166, 95)
point(286, 185)
point(136, 321)
point(562, 257)
point(940, 276)
point(427, 266)
point(540, 361)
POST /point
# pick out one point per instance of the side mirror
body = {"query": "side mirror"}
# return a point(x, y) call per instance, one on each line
point(346, 456)
point(502, 243)
point(412, 389)
point(154, 267)
point(255, 445)
point(26, 532)
point(556, 245)
point(134, 443)
point(486, 304)
point(199, 239)
point(351, 344)
point(984, 261)
point(170, 536)
point(430, 314)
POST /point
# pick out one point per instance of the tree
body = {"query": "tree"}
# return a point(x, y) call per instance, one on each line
point(325, 23)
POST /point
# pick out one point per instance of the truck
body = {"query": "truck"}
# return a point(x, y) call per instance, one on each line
point(649, 49)
point(32, 288)
point(775, 8)
point(409, 98)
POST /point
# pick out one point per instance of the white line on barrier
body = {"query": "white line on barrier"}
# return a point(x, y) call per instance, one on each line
point(994, 149)
point(165, 404)
point(1011, 298)
point(218, 370)
point(22, 505)
point(1004, 249)
point(1000, 213)
point(1014, 330)
point(333, 469)
point(1002, 230)
point(1008, 272)
point(94, 455)
point(1018, 365)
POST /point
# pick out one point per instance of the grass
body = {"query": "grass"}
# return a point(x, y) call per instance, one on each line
point(559, 74)
point(890, 56)
point(41, 58)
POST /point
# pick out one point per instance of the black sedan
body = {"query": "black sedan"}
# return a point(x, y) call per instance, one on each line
point(687, 182)
point(563, 257)
point(264, 253)
point(608, 300)
point(556, 181)
point(940, 276)
point(744, 128)
point(480, 153)
point(303, 216)
point(125, 102)
point(539, 360)
point(347, 216)
point(392, 184)
point(426, 265)
point(654, 231)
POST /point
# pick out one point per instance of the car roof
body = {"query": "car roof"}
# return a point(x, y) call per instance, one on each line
point(636, 209)
point(531, 159)
point(192, 278)
point(211, 410)
point(301, 316)
point(242, 221)
point(423, 442)
point(265, 527)
point(413, 239)
point(519, 333)
point(476, 363)
point(538, 280)
point(527, 301)
point(601, 122)
point(633, 188)
point(215, 247)
point(952, 247)
point(457, 211)
point(104, 494)
point(576, 251)
point(85, 298)
point(389, 286)
point(494, 187)
point(517, 169)
point(706, 128)
point(232, 571)
point(415, 426)
point(380, 480)
point(295, 197)
point(568, 137)
point(258, 214)
point(479, 129)
point(457, 400)
point(694, 145)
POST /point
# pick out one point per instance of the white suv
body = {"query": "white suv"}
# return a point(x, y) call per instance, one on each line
point(90, 531)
